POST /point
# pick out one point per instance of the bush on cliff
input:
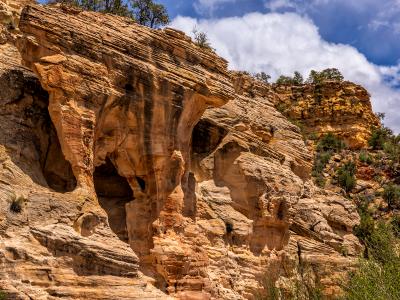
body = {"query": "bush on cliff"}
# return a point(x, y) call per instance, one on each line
point(326, 146)
point(145, 12)
point(297, 79)
point(391, 194)
point(331, 74)
point(201, 39)
point(378, 275)
point(379, 137)
point(262, 76)
point(346, 176)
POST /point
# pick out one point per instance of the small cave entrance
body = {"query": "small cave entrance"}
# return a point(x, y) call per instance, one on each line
point(113, 192)
point(56, 170)
point(206, 137)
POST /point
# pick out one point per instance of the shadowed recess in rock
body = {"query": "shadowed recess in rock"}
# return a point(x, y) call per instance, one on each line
point(38, 139)
point(113, 192)
point(56, 169)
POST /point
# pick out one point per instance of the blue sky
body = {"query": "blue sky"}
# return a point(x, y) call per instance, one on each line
point(372, 26)
point(360, 37)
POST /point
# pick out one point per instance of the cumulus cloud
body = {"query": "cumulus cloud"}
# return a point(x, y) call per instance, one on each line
point(283, 43)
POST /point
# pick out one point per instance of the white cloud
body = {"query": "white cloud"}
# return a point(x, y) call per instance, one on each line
point(283, 43)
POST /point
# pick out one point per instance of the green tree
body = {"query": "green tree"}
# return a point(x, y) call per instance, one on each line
point(150, 14)
point(331, 74)
point(116, 7)
point(262, 76)
point(284, 80)
point(298, 78)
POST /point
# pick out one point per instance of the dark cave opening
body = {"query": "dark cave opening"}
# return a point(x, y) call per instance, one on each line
point(113, 192)
point(56, 170)
point(206, 137)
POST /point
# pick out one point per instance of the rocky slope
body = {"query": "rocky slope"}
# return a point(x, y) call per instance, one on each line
point(144, 169)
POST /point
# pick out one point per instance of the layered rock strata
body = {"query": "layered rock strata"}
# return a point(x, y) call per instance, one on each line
point(341, 108)
point(139, 152)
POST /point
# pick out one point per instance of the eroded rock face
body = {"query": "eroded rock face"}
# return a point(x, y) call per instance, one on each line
point(139, 152)
point(342, 108)
point(123, 92)
point(261, 214)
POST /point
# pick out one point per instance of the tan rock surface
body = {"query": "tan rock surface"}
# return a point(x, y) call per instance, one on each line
point(342, 108)
point(139, 152)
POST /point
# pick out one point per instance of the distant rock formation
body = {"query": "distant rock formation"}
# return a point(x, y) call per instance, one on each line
point(341, 108)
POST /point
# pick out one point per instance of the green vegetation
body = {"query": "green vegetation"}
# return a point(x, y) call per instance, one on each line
point(201, 39)
point(301, 290)
point(330, 142)
point(346, 176)
point(145, 12)
point(17, 204)
point(331, 74)
point(378, 275)
point(150, 14)
point(365, 157)
point(379, 137)
point(297, 79)
point(391, 195)
point(262, 76)
point(3, 295)
point(326, 147)
point(382, 138)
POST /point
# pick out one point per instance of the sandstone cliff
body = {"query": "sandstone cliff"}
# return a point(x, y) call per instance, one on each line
point(341, 108)
point(144, 169)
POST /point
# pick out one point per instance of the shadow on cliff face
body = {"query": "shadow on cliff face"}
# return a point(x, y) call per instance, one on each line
point(32, 140)
point(113, 192)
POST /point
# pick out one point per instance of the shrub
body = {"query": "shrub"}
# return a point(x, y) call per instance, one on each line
point(145, 12)
point(3, 295)
point(297, 79)
point(396, 225)
point(378, 275)
point(373, 281)
point(284, 80)
point(262, 76)
point(345, 176)
point(326, 146)
point(17, 204)
point(201, 39)
point(364, 230)
point(379, 137)
point(302, 290)
point(331, 74)
point(391, 194)
point(365, 158)
point(116, 7)
point(330, 142)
